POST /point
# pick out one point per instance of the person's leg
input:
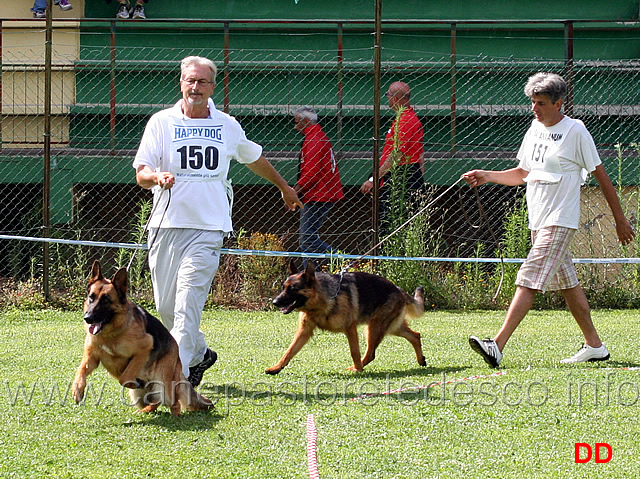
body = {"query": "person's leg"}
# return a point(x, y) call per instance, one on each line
point(39, 6)
point(548, 259)
point(416, 185)
point(164, 261)
point(303, 231)
point(491, 349)
point(593, 348)
point(579, 307)
point(566, 281)
point(518, 309)
point(311, 219)
point(548, 252)
point(199, 262)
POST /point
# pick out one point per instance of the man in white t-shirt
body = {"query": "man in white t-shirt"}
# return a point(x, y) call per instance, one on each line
point(554, 157)
point(184, 156)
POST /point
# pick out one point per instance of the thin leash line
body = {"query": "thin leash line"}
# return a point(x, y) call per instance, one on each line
point(146, 226)
point(353, 262)
point(349, 265)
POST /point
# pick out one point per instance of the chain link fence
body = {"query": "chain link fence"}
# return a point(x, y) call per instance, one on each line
point(474, 113)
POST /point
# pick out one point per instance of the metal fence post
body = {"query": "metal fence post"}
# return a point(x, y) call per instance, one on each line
point(226, 68)
point(454, 89)
point(568, 59)
point(112, 87)
point(339, 80)
point(376, 118)
point(46, 187)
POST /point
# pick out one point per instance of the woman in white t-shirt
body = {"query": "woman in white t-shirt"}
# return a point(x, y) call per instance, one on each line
point(556, 154)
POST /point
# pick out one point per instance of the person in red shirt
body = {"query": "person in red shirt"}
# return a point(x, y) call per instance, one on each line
point(318, 183)
point(411, 149)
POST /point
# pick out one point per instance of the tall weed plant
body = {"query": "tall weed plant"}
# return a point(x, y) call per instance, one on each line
point(417, 238)
point(395, 211)
point(140, 287)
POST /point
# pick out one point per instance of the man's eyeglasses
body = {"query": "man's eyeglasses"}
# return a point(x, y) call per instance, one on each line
point(193, 81)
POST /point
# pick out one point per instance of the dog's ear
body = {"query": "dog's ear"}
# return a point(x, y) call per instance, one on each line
point(310, 272)
point(96, 272)
point(292, 267)
point(120, 282)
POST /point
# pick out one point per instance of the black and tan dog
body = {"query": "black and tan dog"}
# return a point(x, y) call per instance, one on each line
point(134, 347)
point(340, 303)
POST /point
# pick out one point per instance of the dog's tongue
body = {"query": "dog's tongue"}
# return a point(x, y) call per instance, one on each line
point(287, 309)
point(95, 328)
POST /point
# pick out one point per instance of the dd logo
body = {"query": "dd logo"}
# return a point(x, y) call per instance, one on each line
point(589, 452)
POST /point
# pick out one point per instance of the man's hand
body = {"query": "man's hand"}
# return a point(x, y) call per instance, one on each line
point(290, 198)
point(366, 187)
point(625, 231)
point(165, 180)
point(147, 178)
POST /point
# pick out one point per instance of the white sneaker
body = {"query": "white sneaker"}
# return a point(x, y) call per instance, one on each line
point(587, 353)
point(124, 11)
point(488, 349)
point(138, 12)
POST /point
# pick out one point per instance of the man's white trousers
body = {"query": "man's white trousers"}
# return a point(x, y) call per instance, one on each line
point(183, 263)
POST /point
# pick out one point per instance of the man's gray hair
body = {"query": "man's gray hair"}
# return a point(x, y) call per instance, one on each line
point(194, 60)
point(308, 113)
point(548, 84)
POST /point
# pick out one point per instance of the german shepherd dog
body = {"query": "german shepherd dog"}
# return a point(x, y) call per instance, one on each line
point(339, 303)
point(134, 347)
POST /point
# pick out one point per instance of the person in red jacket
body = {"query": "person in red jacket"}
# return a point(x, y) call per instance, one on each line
point(410, 137)
point(318, 185)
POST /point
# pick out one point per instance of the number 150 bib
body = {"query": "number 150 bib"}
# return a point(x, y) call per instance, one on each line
point(198, 152)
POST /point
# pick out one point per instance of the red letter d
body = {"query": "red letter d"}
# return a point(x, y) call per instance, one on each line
point(607, 447)
point(577, 459)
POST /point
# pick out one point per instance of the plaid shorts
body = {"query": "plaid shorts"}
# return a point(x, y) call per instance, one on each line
point(548, 266)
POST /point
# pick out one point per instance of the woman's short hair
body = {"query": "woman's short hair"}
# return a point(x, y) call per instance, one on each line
point(194, 60)
point(308, 113)
point(548, 84)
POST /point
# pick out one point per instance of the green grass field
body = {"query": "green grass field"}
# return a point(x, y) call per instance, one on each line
point(520, 424)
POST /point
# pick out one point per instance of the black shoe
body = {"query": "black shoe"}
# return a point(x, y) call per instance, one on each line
point(196, 372)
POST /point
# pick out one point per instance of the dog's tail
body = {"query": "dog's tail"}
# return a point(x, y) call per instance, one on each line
point(415, 308)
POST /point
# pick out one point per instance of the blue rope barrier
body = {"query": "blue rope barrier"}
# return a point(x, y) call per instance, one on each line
point(329, 256)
